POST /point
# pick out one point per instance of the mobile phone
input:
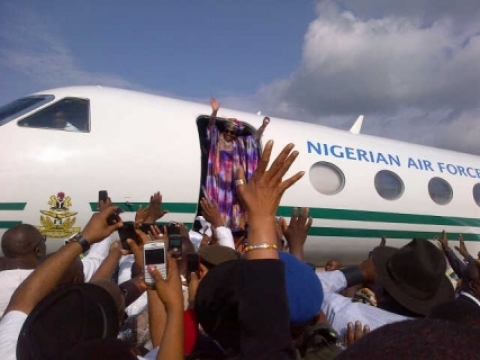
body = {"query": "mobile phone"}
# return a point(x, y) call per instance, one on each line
point(145, 227)
point(174, 239)
point(114, 218)
point(127, 231)
point(154, 254)
point(102, 195)
point(193, 262)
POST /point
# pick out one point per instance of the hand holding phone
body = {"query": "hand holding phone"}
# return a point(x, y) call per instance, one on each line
point(154, 254)
point(115, 217)
point(127, 231)
point(174, 239)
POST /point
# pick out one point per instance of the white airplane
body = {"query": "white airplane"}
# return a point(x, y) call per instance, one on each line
point(358, 187)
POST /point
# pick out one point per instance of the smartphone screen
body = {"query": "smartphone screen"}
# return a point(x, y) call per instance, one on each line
point(155, 256)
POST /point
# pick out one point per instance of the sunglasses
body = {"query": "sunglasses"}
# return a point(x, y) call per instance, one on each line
point(227, 132)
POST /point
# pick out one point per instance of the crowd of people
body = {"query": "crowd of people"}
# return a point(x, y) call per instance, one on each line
point(256, 300)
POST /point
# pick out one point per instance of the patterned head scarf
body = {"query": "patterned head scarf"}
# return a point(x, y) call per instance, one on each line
point(233, 124)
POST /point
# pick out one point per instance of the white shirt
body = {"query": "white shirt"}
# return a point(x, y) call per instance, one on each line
point(225, 237)
point(97, 253)
point(470, 296)
point(9, 282)
point(224, 234)
point(10, 327)
point(340, 310)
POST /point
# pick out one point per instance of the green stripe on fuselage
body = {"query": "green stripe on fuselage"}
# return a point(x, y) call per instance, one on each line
point(171, 207)
point(350, 215)
point(9, 224)
point(389, 234)
point(12, 206)
point(385, 217)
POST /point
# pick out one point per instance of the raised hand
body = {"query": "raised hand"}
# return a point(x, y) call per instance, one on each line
point(141, 215)
point(155, 208)
point(262, 194)
point(98, 228)
point(214, 104)
point(297, 230)
point(155, 233)
point(211, 213)
point(137, 248)
point(169, 290)
point(462, 249)
point(443, 241)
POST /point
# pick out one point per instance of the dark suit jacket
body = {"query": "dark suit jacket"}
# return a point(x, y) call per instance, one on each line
point(462, 310)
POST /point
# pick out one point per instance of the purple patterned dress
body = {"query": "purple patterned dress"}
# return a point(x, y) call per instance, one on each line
point(222, 166)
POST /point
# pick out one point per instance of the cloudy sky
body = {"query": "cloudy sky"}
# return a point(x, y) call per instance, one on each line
point(412, 67)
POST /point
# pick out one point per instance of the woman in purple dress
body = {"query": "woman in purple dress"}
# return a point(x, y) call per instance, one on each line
point(227, 150)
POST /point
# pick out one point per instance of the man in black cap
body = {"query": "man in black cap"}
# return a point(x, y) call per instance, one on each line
point(408, 282)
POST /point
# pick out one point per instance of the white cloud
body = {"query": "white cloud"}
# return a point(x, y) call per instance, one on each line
point(397, 67)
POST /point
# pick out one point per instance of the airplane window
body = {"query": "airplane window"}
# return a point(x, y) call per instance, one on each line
point(69, 114)
point(327, 178)
point(440, 191)
point(389, 185)
point(19, 107)
point(476, 194)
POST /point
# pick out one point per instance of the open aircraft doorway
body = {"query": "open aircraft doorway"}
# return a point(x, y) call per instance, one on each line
point(202, 125)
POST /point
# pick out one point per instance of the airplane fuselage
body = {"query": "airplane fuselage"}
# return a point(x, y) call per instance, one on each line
point(133, 144)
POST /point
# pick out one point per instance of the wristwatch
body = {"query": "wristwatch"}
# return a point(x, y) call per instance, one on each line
point(78, 237)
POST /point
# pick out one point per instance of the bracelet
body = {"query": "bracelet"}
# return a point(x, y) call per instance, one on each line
point(260, 246)
point(78, 238)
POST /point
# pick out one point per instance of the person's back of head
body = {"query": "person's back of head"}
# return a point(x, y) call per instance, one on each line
point(65, 318)
point(23, 241)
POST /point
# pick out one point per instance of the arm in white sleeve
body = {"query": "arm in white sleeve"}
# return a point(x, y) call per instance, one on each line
point(332, 281)
point(97, 253)
point(225, 237)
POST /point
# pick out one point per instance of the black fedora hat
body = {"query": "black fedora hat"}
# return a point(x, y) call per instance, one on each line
point(414, 275)
point(66, 318)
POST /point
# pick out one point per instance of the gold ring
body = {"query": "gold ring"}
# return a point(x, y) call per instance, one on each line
point(240, 182)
